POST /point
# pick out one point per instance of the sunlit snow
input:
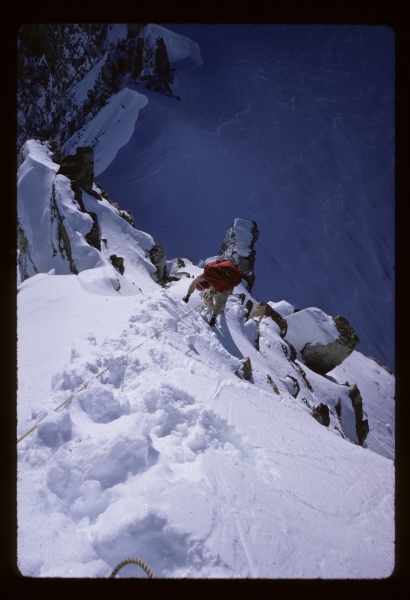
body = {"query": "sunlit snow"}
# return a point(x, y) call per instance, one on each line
point(168, 454)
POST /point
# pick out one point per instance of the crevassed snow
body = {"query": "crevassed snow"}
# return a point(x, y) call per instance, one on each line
point(110, 129)
point(178, 46)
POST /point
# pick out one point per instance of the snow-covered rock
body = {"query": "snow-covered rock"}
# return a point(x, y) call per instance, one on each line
point(321, 342)
point(238, 246)
point(54, 230)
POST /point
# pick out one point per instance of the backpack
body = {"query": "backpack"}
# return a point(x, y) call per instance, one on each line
point(222, 275)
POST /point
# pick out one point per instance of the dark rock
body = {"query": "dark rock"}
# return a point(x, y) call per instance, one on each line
point(248, 306)
point(56, 150)
point(180, 262)
point(273, 384)
point(289, 351)
point(241, 297)
point(134, 29)
point(80, 167)
point(301, 372)
point(24, 255)
point(321, 414)
point(102, 192)
point(262, 309)
point(93, 237)
point(63, 240)
point(362, 425)
point(323, 358)
point(296, 386)
point(233, 249)
point(158, 259)
point(245, 370)
point(127, 216)
point(118, 263)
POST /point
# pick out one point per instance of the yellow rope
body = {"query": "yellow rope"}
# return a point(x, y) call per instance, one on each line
point(135, 561)
point(109, 367)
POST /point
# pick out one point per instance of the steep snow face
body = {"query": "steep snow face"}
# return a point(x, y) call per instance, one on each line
point(169, 456)
point(110, 129)
point(372, 380)
point(149, 441)
point(292, 127)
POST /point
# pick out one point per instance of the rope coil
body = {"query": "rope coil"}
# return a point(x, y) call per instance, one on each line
point(135, 561)
point(107, 368)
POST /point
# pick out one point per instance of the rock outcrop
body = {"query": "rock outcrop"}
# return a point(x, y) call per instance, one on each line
point(118, 263)
point(321, 342)
point(158, 259)
point(80, 167)
point(238, 246)
point(321, 414)
point(362, 425)
point(245, 370)
point(262, 309)
point(323, 358)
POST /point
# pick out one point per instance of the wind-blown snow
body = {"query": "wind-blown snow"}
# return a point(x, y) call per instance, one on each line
point(110, 129)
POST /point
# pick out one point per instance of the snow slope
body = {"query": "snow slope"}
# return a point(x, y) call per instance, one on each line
point(104, 133)
point(170, 457)
point(166, 453)
point(147, 441)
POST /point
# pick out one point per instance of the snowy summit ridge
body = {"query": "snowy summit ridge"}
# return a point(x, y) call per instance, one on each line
point(262, 447)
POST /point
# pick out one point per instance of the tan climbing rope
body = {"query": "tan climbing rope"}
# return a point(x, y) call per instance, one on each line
point(109, 367)
point(135, 561)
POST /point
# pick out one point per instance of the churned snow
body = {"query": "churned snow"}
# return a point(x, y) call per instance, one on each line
point(171, 458)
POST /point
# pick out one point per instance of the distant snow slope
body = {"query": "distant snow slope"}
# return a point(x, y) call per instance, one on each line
point(110, 129)
point(292, 127)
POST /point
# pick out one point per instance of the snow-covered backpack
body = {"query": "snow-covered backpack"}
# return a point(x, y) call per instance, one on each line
point(222, 275)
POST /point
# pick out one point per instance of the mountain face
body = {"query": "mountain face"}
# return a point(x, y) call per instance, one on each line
point(53, 58)
point(260, 447)
point(293, 126)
